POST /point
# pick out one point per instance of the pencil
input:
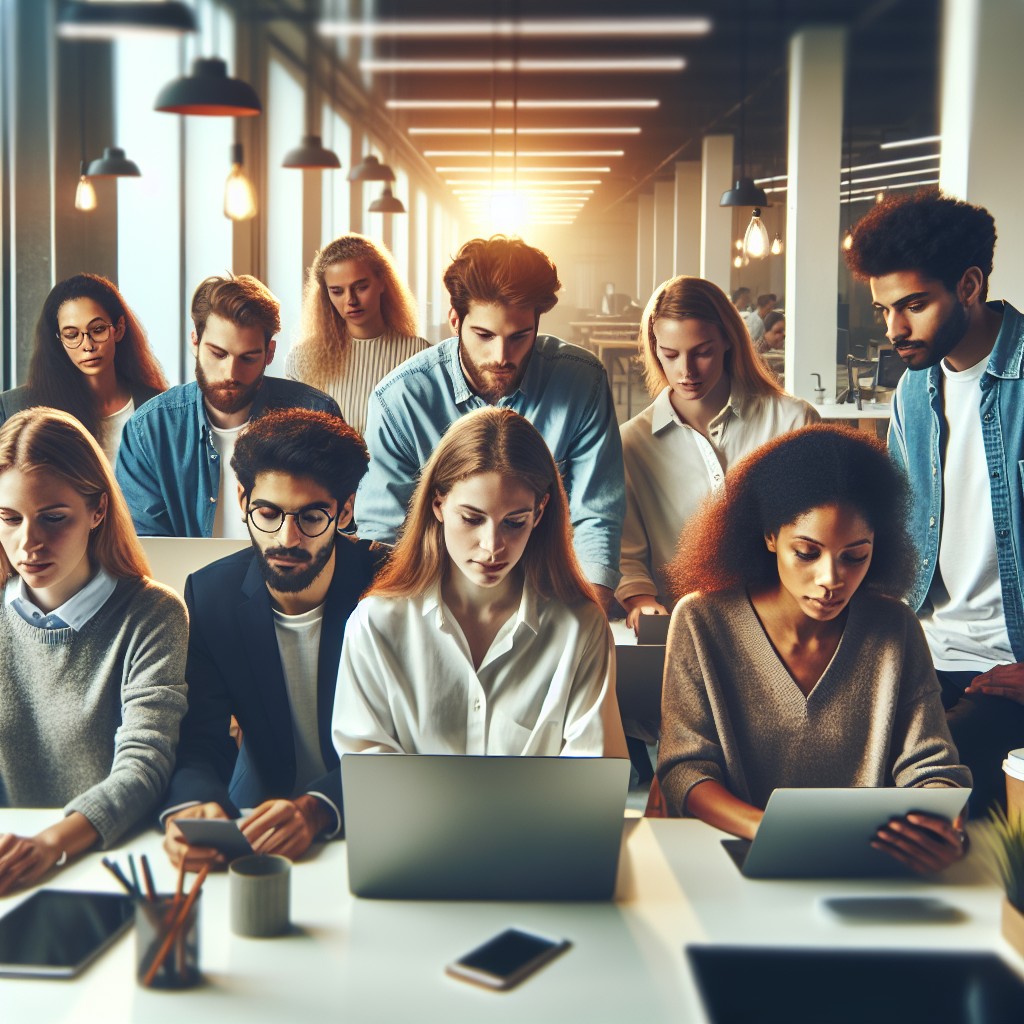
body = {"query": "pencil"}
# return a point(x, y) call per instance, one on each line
point(119, 875)
point(178, 924)
point(147, 877)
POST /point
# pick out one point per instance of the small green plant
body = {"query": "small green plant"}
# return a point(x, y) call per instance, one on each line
point(1004, 842)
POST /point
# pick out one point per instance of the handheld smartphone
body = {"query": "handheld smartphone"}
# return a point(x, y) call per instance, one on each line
point(221, 834)
point(508, 958)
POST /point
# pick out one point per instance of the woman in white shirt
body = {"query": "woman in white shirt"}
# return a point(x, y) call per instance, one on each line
point(91, 359)
point(358, 324)
point(714, 401)
point(481, 635)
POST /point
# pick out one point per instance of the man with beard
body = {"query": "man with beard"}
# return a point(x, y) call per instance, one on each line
point(173, 447)
point(499, 287)
point(958, 431)
point(265, 635)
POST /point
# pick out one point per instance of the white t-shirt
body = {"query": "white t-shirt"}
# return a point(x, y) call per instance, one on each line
point(227, 520)
point(111, 428)
point(963, 619)
point(298, 641)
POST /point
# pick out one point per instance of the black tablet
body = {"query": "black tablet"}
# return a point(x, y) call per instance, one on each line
point(56, 933)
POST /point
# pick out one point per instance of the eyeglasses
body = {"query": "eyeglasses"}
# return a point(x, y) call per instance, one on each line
point(311, 522)
point(72, 337)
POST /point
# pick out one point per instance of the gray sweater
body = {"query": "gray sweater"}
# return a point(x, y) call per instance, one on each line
point(732, 713)
point(89, 720)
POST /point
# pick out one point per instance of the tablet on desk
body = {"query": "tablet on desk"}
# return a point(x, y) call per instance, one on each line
point(56, 933)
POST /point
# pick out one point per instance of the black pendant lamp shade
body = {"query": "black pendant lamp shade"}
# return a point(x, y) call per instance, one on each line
point(113, 164)
point(386, 203)
point(371, 169)
point(744, 193)
point(108, 20)
point(310, 154)
point(209, 92)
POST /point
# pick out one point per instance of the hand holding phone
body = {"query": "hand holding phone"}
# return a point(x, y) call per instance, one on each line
point(220, 834)
point(508, 958)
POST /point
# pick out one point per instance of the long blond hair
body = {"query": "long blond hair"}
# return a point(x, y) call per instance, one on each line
point(44, 439)
point(491, 440)
point(682, 297)
point(323, 346)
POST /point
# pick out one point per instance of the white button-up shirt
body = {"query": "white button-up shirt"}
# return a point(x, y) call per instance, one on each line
point(671, 468)
point(75, 612)
point(406, 682)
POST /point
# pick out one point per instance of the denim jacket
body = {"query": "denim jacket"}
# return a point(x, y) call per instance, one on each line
point(564, 394)
point(917, 441)
point(168, 466)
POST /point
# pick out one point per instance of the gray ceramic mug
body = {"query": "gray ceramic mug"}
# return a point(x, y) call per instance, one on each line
point(260, 895)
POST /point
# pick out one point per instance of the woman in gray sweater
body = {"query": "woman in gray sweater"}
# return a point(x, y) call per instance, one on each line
point(791, 662)
point(92, 653)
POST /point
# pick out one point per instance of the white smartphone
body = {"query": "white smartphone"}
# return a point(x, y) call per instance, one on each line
point(508, 958)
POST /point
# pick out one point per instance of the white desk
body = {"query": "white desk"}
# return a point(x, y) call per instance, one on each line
point(849, 411)
point(361, 960)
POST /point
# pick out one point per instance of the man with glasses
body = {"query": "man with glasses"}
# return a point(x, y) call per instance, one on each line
point(265, 635)
point(174, 462)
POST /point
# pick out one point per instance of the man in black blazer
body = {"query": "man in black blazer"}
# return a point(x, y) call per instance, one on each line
point(265, 636)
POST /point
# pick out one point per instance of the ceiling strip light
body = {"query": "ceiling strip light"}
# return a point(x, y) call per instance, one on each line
point(546, 28)
point(524, 170)
point(523, 104)
point(568, 64)
point(528, 154)
point(524, 131)
point(523, 183)
point(923, 140)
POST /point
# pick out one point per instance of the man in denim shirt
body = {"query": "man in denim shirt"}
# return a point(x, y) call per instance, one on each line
point(958, 431)
point(499, 287)
point(173, 448)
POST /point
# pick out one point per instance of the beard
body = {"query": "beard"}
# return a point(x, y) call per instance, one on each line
point(298, 578)
point(227, 396)
point(491, 381)
point(949, 334)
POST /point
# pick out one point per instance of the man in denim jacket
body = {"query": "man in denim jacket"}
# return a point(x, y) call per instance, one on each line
point(958, 431)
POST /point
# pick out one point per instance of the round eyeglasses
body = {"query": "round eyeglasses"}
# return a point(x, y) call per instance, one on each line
point(72, 337)
point(311, 522)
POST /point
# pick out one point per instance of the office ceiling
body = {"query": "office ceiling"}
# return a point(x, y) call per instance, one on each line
point(891, 92)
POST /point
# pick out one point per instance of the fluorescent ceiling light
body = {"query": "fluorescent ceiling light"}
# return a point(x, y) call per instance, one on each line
point(923, 140)
point(523, 64)
point(523, 105)
point(864, 167)
point(529, 154)
point(895, 174)
point(504, 169)
point(524, 131)
point(896, 184)
point(523, 182)
point(537, 191)
point(545, 28)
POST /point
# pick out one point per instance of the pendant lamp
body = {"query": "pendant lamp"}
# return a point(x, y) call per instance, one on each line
point(371, 169)
point(386, 203)
point(209, 92)
point(113, 164)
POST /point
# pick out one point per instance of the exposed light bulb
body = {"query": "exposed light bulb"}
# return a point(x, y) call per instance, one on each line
point(755, 241)
point(738, 245)
point(85, 195)
point(239, 194)
point(737, 261)
point(848, 240)
point(776, 246)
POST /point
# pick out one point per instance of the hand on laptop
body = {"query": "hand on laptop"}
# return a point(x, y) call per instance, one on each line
point(178, 848)
point(286, 827)
point(923, 842)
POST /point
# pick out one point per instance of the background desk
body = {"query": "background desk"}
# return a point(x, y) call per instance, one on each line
point(361, 960)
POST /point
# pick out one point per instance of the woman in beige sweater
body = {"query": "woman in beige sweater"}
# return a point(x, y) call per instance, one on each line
point(791, 661)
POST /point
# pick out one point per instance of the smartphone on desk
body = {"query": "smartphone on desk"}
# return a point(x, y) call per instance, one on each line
point(222, 834)
point(508, 958)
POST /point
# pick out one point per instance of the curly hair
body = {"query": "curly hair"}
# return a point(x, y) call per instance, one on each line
point(682, 297)
point(501, 270)
point(323, 343)
point(929, 232)
point(55, 381)
point(244, 300)
point(723, 546)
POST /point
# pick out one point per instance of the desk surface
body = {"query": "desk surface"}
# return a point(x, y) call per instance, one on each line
point(362, 960)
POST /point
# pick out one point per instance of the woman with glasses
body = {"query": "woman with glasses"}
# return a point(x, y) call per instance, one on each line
point(358, 324)
point(481, 635)
point(92, 652)
point(91, 359)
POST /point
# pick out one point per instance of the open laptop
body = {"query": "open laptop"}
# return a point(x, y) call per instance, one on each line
point(447, 827)
point(653, 629)
point(827, 833)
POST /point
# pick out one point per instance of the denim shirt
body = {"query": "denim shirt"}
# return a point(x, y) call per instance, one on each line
point(168, 466)
point(564, 393)
point(917, 441)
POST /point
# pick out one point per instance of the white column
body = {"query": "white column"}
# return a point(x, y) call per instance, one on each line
point(816, 69)
point(715, 220)
point(686, 245)
point(982, 148)
point(644, 247)
point(664, 229)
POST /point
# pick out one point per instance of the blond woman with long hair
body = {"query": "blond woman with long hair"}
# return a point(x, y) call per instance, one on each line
point(358, 324)
point(714, 401)
point(481, 635)
point(92, 652)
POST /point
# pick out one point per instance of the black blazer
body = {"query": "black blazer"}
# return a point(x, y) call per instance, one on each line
point(234, 668)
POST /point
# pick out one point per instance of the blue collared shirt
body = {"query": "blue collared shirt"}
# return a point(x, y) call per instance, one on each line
point(564, 393)
point(917, 440)
point(168, 466)
point(75, 612)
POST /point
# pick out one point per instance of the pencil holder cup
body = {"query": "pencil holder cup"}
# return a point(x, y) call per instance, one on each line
point(167, 942)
